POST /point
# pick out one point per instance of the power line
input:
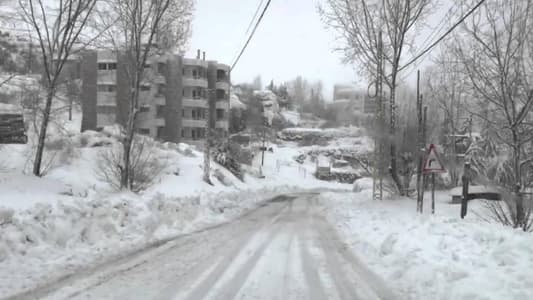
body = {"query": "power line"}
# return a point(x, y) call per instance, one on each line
point(443, 36)
point(435, 32)
point(251, 23)
point(255, 16)
point(251, 35)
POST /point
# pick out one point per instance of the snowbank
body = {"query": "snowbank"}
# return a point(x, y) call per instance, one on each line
point(434, 257)
point(45, 242)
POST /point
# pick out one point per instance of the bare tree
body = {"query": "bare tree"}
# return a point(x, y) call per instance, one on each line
point(446, 90)
point(57, 30)
point(135, 29)
point(359, 25)
point(495, 51)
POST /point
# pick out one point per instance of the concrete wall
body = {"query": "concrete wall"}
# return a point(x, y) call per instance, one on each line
point(123, 90)
point(173, 98)
point(88, 91)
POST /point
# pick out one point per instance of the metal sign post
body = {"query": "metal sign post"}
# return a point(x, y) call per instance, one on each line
point(432, 165)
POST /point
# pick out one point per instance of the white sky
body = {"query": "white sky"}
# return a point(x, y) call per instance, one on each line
point(290, 41)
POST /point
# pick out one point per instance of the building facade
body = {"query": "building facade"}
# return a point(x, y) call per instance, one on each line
point(179, 97)
point(352, 105)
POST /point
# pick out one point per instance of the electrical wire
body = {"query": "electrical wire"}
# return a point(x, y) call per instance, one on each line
point(251, 35)
point(471, 11)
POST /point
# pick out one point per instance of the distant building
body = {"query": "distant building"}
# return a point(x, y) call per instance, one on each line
point(176, 98)
point(352, 105)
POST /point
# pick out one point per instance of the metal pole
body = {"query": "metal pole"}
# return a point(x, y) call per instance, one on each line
point(432, 193)
point(464, 200)
point(263, 148)
point(421, 152)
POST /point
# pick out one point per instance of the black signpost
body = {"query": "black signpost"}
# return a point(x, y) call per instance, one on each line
point(12, 129)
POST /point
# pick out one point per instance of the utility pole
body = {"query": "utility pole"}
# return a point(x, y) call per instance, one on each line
point(377, 176)
point(421, 147)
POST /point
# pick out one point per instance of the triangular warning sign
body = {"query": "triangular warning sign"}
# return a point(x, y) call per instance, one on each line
point(433, 164)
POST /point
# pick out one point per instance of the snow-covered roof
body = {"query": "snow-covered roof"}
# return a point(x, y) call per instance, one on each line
point(234, 102)
point(323, 161)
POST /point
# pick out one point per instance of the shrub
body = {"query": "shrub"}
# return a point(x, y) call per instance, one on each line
point(144, 166)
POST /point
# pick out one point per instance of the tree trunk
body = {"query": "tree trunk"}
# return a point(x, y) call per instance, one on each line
point(125, 179)
point(520, 213)
point(392, 131)
point(42, 133)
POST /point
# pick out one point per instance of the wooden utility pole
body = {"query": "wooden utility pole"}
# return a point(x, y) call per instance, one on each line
point(377, 176)
point(421, 114)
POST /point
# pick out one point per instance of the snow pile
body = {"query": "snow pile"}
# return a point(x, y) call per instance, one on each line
point(434, 257)
point(234, 102)
point(327, 133)
point(292, 117)
point(44, 242)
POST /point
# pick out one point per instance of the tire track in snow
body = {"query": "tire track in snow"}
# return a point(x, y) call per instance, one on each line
point(205, 288)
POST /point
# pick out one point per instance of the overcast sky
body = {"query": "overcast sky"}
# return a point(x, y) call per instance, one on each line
point(290, 41)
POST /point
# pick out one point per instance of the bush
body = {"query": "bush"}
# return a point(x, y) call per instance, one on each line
point(144, 166)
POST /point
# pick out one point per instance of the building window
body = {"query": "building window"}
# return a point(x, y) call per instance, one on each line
point(194, 74)
point(106, 88)
point(193, 134)
point(160, 132)
point(162, 68)
point(194, 114)
point(220, 114)
point(160, 111)
point(107, 66)
point(161, 90)
point(144, 109)
point(145, 88)
point(221, 95)
point(183, 133)
point(145, 131)
point(183, 112)
point(183, 92)
point(183, 71)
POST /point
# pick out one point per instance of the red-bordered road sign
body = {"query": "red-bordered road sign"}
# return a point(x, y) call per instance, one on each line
point(432, 163)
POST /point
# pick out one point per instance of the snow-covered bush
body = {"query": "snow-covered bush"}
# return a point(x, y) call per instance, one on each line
point(145, 165)
point(492, 165)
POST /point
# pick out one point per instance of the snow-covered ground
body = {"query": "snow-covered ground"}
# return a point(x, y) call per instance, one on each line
point(436, 256)
point(70, 218)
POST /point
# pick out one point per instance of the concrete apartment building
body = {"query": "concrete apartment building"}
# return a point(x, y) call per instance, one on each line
point(352, 105)
point(179, 98)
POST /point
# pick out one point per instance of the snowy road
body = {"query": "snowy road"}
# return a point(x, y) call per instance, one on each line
point(283, 250)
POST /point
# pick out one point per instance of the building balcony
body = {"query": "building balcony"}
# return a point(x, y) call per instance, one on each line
point(222, 104)
point(195, 82)
point(193, 123)
point(159, 122)
point(107, 76)
point(190, 102)
point(159, 79)
point(106, 98)
point(160, 99)
point(223, 85)
point(222, 124)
